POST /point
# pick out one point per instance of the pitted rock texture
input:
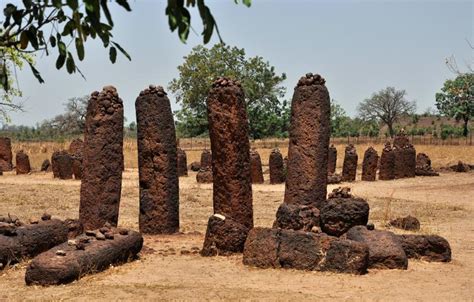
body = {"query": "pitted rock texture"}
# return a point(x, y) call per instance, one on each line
point(332, 159)
point(101, 184)
point(6, 155)
point(334, 178)
point(62, 163)
point(405, 157)
point(461, 167)
point(426, 247)
point(387, 163)
point(228, 131)
point(157, 162)
point(204, 176)
point(338, 215)
point(76, 150)
point(306, 179)
point(206, 159)
point(349, 166)
point(277, 167)
point(182, 163)
point(279, 248)
point(408, 223)
point(369, 164)
point(385, 250)
point(423, 166)
point(256, 170)
point(340, 192)
point(22, 163)
point(224, 236)
point(296, 217)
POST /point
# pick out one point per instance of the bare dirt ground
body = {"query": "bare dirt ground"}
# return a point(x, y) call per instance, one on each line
point(170, 267)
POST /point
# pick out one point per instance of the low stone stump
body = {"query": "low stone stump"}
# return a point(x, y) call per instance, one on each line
point(277, 167)
point(224, 236)
point(61, 162)
point(369, 164)
point(22, 163)
point(87, 254)
point(19, 241)
point(408, 223)
point(204, 176)
point(461, 167)
point(426, 247)
point(423, 166)
point(385, 249)
point(206, 159)
point(182, 162)
point(343, 211)
point(256, 171)
point(332, 159)
point(195, 166)
point(296, 217)
point(278, 248)
point(334, 178)
point(46, 166)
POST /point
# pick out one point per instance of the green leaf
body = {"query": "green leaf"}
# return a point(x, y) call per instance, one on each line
point(247, 3)
point(62, 48)
point(105, 8)
point(70, 65)
point(72, 4)
point(31, 34)
point(80, 49)
point(124, 4)
point(60, 61)
point(208, 21)
point(27, 3)
point(122, 51)
point(112, 54)
point(23, 40)
point(57, 3)
point(36, 73)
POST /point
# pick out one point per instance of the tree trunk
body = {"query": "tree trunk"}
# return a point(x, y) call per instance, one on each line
point(465, 130)
point(390, 129)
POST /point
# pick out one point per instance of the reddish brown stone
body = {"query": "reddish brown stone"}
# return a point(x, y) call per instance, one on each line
point(224, 236)
point(409, 223)
point(206, 159)
point(22, 163)
point(204, 175)
point(369, 164)
point(296, 217)
point(423, 166)
point(101, 184)
point(46, 166)
point(195, 166)
point(349, 167)
point(405, 157)
point(277, 167)
point(76, 151)
point(387, 163)
point(339, 214)
point(182, 163)
point(334, 178)
point(76, 147)
point(309, 142)
point(6, 155)
point(426, 247)
point(461, 167)
point(261, 248)
point(62, 163)
point(157, 162)
point(332, 159)
point(256, 167)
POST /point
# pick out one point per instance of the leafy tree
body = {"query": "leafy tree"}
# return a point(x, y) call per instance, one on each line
point(262, 87)
point(386, 106)
point(456, 99)
point(338, 119)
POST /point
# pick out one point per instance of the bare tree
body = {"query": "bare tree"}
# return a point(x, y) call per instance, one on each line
point(386, 106)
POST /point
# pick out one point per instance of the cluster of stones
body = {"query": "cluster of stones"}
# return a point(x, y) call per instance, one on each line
point(157, 163)
point(6, 155)
point(423, 166)
point(277, 167)
point(204, 174)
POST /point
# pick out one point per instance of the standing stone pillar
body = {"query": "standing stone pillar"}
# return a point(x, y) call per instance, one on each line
point(369, 164)
point(182, 163)
point(332, 159)
point(75, 150)
point(232, 184)
point(206, 159)
point(6, 155)
point(101, 183)
point(387, 163)
point(62, 163)
point(277, 167)
point(22, 163)
point(157, 163)
point(256, 167)
point(349, 167)
point(405, 156)
point(306, 179)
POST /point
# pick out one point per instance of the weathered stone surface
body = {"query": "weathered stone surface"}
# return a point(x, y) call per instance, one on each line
point(423, 166)
point(332, 159)
point(76, 147)
point(408, 223)
point(62, 163)
point(461, 167)
point(338, 214)
point(204, 176)
point(340, 192)
point(46, 166)
point(309, 142)
point(157, 162)
point(75, 227)
point(195, 166)
point(426, 247)
point(66, 263)
point(224, 236)
point(6, 155)
point(369, 164)
point(101, 184)
point(387, 163)
point(29, 240)
point(301, 250)
point(256, 170)
point(277, 167)
point(22, 163)
point(296, 217)
point(334, 178)
point(349, 166)
point(228, 131)
point(182, 163)
point(405, 157)
point(385, 250)
point(76, 150)
point(206, 159)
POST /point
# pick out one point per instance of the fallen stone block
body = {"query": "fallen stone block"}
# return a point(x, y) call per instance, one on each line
point(426, 247)
point(339, 214)
point(224, 236)
point(296, 217)
point(408, 223)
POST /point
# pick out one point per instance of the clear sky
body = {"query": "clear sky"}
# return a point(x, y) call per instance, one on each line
point(359, 47)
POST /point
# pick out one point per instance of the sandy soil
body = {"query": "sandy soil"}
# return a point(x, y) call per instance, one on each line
point(171, 268)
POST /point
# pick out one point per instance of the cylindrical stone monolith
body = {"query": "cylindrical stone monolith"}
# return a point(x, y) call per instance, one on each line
point(228, 131)
point(349, 167)
point(182, 163)
point(256, 167)
point(76, 149)
point(157, 163)
point(101, 184)
point(277, 167)
point(387, 163)
point(206, 159)
point(405, 157)
point(332, 159)
point(306, 179)
point(62, 163)
point(6, 155)
point(369, 164)
point(22, 163)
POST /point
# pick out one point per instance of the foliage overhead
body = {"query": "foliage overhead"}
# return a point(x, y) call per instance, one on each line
point(262, 86)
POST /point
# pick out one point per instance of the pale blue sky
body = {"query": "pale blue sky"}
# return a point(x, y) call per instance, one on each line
point(359, 47)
